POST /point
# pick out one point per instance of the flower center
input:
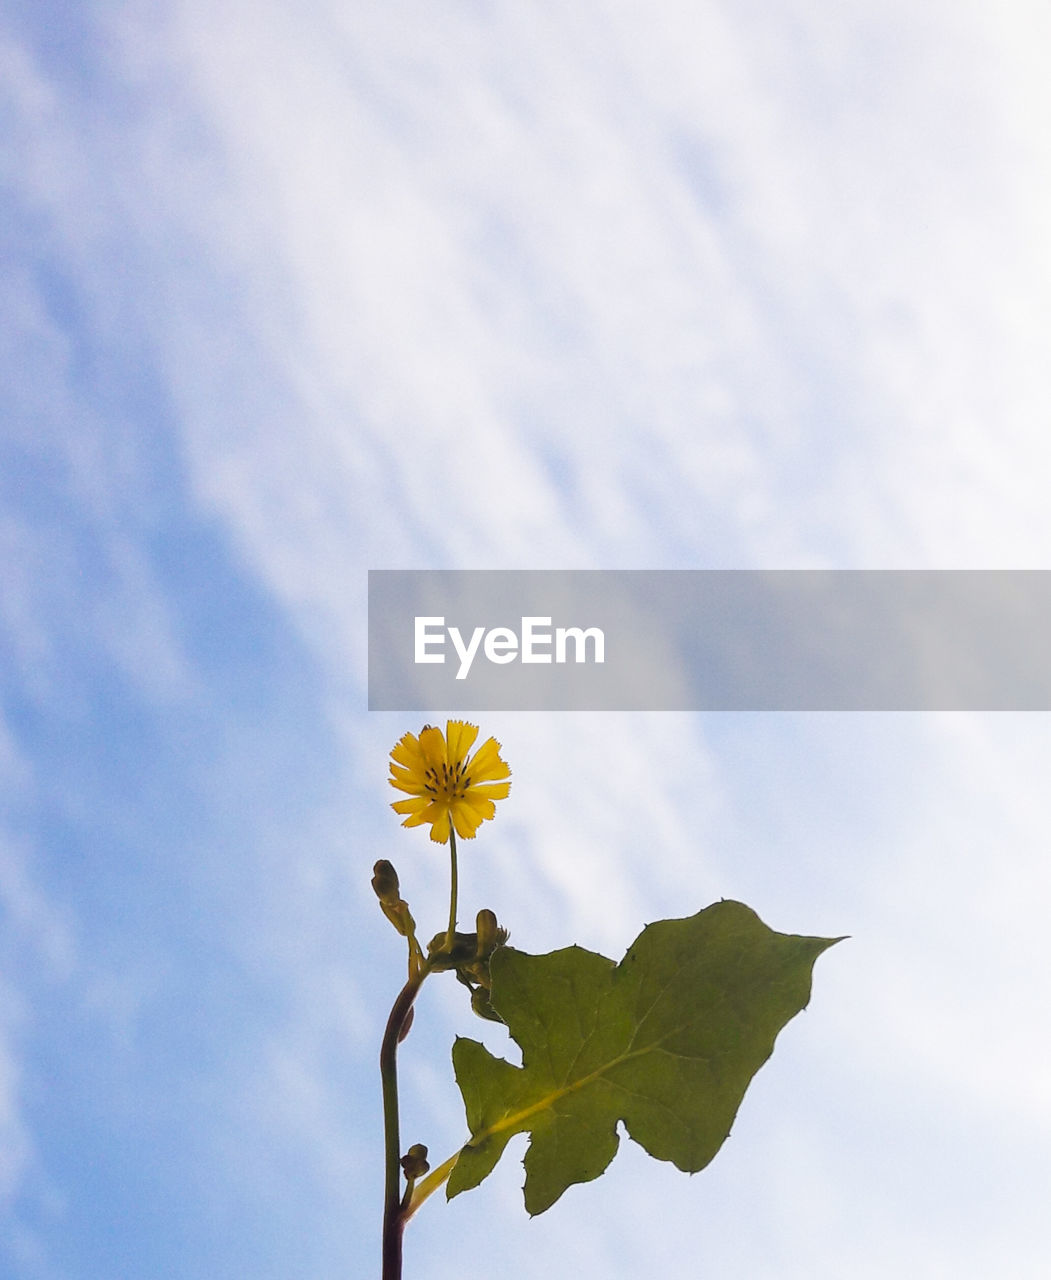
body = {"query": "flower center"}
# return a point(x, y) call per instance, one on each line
point(448, 784)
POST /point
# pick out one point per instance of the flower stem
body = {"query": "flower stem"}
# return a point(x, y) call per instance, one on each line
point(393, 1216)
point(450, 937)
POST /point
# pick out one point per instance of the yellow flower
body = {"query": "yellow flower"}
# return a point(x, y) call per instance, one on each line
point(445, 783)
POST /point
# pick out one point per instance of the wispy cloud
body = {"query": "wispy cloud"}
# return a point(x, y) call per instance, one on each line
point(37, 951)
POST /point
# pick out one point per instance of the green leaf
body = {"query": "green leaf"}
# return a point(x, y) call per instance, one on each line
point(667, 1042)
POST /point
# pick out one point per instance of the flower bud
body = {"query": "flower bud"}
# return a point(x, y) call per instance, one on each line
point(385, 882)
point(487, 930)
point(414, 1161)
point(490, 935)
point(385, 885)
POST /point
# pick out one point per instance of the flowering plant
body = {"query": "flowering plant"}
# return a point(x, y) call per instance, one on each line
point(665, 1042)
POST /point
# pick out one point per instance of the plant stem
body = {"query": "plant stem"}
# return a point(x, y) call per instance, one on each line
point(393, 1217)
point(450, 937)
point(397, 1209)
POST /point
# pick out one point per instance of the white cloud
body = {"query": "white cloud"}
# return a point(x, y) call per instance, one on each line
point(606, 292)
point(14, 1139)
point(77, 508)
point(37, 950)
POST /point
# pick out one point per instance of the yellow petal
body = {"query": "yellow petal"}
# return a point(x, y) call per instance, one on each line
point(491, 790)
point(407, 751)
point(482, 806)
point(432, 743)
point(486, 763)
point(460, 737)
point(416, 805)
point(465, 822)
point(406, 781)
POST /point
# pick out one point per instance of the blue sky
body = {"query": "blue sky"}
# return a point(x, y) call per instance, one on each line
point(293, 292)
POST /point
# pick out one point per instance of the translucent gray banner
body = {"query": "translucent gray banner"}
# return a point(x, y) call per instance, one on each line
point(750, 640)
